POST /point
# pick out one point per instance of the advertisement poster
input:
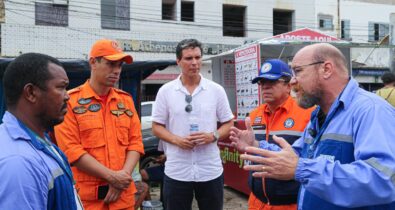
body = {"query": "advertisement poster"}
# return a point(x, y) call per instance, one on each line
point(228, 72)
point(247, 64)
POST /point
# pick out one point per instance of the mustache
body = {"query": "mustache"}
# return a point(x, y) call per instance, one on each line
point(296, 88)
point(64, 106)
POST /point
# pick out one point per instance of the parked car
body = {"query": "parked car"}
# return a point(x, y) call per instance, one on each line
point(151, 143)
point(149, 140)
point(146, 114)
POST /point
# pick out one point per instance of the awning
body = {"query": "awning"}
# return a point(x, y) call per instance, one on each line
point(369, 71)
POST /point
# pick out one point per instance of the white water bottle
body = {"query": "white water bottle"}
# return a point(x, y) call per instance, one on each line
point(193, 124)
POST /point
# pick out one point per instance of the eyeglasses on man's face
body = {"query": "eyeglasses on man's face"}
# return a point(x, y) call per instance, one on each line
point(270, 82)
point(188, 99)
point(297, 69)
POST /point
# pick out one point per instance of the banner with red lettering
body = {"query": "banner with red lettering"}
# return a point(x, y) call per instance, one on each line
point(306, 35)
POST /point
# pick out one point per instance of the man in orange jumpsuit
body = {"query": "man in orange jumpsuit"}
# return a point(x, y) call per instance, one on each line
point(280, 116)
point(101, 133)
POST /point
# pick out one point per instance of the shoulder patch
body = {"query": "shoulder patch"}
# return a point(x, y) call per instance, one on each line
point(289, 123)
point(258, 120)
point(79, 109)
point(128, 113)
point(94, 107)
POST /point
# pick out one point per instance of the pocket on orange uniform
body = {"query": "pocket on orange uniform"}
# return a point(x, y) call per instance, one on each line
point(87, 191)
point(123, 127)
point(92, 139)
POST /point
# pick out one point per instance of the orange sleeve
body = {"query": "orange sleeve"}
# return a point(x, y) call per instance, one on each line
point(135, 137)
point(68, 138)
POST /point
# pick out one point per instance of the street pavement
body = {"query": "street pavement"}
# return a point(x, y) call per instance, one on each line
point(234, 200)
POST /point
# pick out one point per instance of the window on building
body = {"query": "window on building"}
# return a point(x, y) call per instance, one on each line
point(233, 20)
point(282, 21)
point(325, 22)
point(48, 14)
point(168, 9)
point(59, 1)
point(187, 11)
point(345, 30)
point(115, 14)
point(377, 31)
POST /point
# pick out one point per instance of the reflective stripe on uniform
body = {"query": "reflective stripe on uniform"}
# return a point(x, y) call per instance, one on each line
point(332, 137)
point(337, 137)
point(286, 132)
point(261, 132)
point(56, 173)
point(383, 169)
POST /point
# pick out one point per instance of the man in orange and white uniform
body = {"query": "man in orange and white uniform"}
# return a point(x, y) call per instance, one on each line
point(281, 116)
point(101, 133)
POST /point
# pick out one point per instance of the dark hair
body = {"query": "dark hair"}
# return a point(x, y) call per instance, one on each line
point(26, 68)
point(185, 44)
point(388, 78)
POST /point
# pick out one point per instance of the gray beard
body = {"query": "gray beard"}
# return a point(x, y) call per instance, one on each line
point(309, 100)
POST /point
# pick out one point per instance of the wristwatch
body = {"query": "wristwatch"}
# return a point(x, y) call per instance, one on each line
point(216, 136)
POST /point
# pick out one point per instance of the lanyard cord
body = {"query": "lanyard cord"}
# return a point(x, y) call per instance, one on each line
point(322, 129)
point(38, 145)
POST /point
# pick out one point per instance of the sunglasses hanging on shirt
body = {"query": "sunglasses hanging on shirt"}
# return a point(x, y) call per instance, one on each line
point(188, 99)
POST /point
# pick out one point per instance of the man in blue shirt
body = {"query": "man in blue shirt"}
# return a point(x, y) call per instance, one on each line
point(345, 158)
point(35, 174)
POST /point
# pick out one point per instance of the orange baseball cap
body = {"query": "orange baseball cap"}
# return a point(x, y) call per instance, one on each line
point(110, 50)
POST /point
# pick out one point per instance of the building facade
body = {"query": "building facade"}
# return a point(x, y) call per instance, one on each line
point(150, 30)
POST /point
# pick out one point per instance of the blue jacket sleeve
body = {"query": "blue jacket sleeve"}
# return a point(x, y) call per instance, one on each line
point(267, 146)
point(22, 185)
point(297, 146)
point(371, 176)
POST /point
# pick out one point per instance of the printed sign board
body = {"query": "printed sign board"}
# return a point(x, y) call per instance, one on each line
point(247, 62)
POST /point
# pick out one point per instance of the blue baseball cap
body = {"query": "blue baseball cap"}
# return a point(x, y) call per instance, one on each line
point(273, 69)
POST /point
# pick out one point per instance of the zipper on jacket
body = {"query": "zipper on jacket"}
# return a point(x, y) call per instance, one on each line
point(264, 191)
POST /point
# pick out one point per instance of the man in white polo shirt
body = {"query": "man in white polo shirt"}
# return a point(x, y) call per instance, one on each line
point(185, 116)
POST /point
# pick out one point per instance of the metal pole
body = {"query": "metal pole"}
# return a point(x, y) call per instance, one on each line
point(392, 42)
point(338, 20)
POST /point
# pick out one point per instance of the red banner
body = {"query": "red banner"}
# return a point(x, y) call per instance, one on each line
point(306, 35)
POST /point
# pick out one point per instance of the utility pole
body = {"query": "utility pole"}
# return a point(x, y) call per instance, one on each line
point(338, 20)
